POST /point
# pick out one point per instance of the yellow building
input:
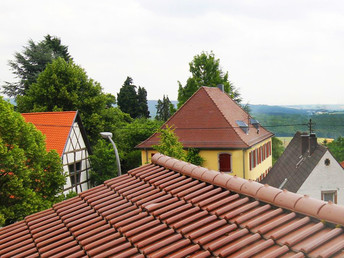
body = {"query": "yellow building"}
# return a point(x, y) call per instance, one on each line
point(228, 138)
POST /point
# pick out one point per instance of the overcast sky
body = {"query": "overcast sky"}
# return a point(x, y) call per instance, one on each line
point(276, 52)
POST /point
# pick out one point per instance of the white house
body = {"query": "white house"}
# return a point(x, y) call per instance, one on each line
point(65, 133)
point(308, 168)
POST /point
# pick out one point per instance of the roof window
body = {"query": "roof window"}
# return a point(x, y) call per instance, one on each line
point(242, 125)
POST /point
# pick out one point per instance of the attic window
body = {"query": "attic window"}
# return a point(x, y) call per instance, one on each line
point(327, 162)
point(242, 125)
point(254, 122)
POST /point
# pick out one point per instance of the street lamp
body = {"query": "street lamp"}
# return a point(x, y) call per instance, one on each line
point(108, 135)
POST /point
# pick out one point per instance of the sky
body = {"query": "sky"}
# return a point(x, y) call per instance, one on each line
point(275, 52)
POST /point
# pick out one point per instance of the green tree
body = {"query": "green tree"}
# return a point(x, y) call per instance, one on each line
point(30, 177)
point(103, 161)
point(65, 86)
point(27, 65)
point(277, 149)
point(337, 148)
point(131, 135)
point(205, 70)
point(164, 109)
point(193, 157)
point(132, 102)
point(142, 105)
point(169, 144)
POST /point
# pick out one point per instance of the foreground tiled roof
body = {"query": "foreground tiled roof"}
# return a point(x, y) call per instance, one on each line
point(175, 209)
point(293, 166)
point(209, 120)
point(54, 125)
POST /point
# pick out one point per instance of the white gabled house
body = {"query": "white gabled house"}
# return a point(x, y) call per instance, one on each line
point(65, 133)
point(308, 168)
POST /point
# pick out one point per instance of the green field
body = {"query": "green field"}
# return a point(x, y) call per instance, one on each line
point(286, 140)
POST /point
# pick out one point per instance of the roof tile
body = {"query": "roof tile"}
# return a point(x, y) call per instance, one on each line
point(177, 215)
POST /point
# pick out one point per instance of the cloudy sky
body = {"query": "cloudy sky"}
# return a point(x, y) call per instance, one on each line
point(276, 52)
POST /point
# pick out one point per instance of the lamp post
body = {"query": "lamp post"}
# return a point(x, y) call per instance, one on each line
point(108, 135)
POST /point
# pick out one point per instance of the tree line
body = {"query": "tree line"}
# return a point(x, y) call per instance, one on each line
point(48, 79)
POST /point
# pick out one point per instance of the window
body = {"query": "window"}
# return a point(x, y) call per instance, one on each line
point(225, 162)
point(242, 125)
point(74, 172)
point(329, 196)
point(327, 162)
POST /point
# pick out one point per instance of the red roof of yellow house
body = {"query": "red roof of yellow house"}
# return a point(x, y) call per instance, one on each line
point(54, 125)
point(211, 119)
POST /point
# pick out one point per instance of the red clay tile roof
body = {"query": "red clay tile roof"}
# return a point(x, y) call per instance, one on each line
point(208, 120)
point(54, 125)
point(175, 209)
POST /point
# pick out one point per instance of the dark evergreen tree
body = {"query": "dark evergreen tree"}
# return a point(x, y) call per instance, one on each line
point(142, 103)
point(164, 109)
point(27, 65)
point(132, 102)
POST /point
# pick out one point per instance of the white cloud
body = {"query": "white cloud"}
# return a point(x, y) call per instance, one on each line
point(276, 52)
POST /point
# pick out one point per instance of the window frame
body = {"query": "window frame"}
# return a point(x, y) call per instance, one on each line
point(333, 192)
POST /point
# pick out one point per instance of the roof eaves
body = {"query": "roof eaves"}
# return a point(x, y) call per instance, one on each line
point(281, 198)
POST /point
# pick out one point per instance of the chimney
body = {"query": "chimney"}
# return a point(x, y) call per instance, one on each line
point(313, 143)
point(221, 87)
point(304, 143)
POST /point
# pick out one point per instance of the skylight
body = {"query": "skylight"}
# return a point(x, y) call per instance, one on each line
point(242, 125)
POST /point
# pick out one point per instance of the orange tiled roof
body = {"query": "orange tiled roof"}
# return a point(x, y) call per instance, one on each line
point(209, 120)
point(175, 209)
point(54, 125)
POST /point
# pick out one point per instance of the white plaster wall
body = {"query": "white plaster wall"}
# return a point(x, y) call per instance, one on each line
point(79, 156)
point(325, 178)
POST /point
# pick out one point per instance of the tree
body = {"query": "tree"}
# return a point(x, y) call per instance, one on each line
point(132, 102)
point(27, 65)
point(193, 157)
point(131, 135)
point(30, 177)
point(337, 148)
point(103, 161)
point(165, 109)
point(277, 149)
point(65, 86)
point(206, 71)
point(142, 103)
point(169, 144)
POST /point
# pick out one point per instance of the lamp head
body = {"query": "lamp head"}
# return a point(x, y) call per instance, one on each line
point(106, 135)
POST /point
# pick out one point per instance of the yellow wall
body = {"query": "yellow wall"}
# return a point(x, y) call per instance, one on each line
point(239, 157)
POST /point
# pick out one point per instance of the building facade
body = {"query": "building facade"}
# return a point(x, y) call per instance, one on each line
point(228, 138)
point(65, 133)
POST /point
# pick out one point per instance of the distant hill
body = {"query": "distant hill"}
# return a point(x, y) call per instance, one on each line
point(275, 110)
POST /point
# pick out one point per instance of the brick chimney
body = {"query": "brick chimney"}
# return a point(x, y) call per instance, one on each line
point(308, 143)
point(304, 143)
point(313, 143)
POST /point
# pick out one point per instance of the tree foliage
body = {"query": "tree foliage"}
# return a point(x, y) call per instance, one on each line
point(169, 144)
point(193, 157)
point(30, 177)
point(132, 102)
point(65, 86)
point(131, 135)
point(205, 71)
point(28, 64)
point(337, 148)
point(277, 149)
point(103, 161)
point(164, 109)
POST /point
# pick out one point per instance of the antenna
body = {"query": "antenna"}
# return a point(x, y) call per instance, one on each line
point(310, 126)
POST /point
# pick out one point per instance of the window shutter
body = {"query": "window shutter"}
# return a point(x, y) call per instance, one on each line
point(225, 162)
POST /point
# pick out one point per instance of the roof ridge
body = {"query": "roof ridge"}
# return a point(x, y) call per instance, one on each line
point(224, 115)
point(282, 198)
point(170, 118)
point(49, 112)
